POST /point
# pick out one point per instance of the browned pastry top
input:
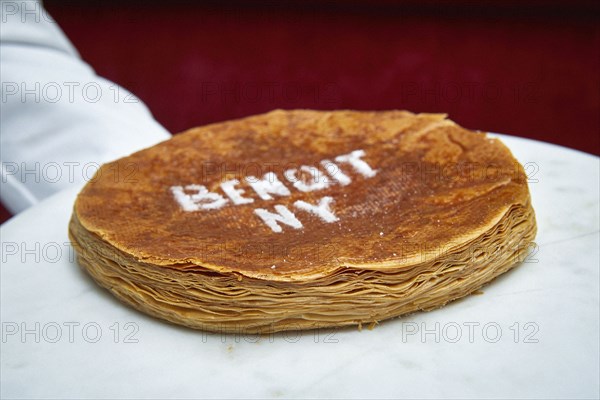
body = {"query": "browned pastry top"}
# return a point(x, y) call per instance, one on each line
point(399, 188)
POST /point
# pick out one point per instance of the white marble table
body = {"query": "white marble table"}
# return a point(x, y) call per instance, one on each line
point(532, 334)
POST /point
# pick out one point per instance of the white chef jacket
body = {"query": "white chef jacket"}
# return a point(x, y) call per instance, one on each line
point(58, 120)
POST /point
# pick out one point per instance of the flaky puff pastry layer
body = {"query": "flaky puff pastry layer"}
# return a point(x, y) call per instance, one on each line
point(447, 211)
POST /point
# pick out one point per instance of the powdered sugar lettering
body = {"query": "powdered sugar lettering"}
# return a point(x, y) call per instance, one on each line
point(192, 198)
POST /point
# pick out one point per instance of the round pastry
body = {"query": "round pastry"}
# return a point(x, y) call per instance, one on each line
point(304, 219)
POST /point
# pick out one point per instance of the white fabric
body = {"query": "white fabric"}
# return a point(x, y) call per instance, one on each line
point(58, 120)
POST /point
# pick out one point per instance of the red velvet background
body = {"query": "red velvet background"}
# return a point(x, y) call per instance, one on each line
point(528, 68)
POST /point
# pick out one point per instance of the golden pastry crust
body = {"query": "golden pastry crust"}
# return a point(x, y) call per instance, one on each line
point(435, 212)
